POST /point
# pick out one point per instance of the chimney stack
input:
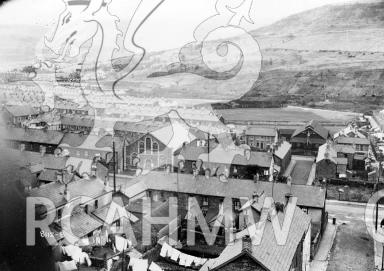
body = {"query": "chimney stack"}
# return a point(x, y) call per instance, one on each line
point(255, 197)
point(288, 196)
point(289, 180)
point(247, 153)
point(67, 195)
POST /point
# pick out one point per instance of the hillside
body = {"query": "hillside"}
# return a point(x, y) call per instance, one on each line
point(329, 57)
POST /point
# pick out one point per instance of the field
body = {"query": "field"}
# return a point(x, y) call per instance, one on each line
point(288, 115)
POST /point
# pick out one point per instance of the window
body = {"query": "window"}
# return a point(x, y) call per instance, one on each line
point(59, 213)
point(205, 201)
point(77, 153)
point(141, 147)
point(148, 144)
point(155, 147)
point(86, 153)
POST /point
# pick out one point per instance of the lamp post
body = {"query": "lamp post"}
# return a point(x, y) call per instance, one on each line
point(382, 258)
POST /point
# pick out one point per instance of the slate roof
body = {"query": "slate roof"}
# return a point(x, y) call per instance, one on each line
point(309, 196)
point(268, 253)
point(55, 191)
point(48, 175)
point(326, 151)
point(261, 159)
point(260, 131)
point(88, 142)
point(234, 156)
point(347, 149)
point(49, 161)
point(282, 149)
point(78, 121)
point(142, 127)
point(192, 153)
point(34, 135)
point(73, 139)
point(21, 110)
point(352, 140)
point(174, 134)
point(82, 224)
point(316, 127)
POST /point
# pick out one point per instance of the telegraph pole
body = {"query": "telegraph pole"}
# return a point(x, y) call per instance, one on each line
point(114, 166)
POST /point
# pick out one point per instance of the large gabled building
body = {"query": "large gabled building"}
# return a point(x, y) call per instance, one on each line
point(307, 139)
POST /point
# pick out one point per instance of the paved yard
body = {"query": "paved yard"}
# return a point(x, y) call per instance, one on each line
point(300, 172)
point(352, 249)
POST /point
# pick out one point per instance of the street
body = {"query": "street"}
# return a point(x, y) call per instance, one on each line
point(353, 248)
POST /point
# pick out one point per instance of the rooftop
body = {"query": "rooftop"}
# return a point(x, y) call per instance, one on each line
point(268, 253)
point(282, 149)
point(141, 127)
point(352, 140)
point(260, 131)
point(316, 127)
point(78, 121)
point(310, 196)
point(49, 161)
point(55, 191)
point(21, 110)
point(234, 155)
point(34, 135)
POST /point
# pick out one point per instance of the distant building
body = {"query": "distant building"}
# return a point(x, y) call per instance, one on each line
point(40, 141)
point(156, 149)
point(360, 145)
point(234, 162)
point(77, 123)
point(85, 150)
point(259, 138)
point(349, 132)
point(16, 114)
point(282, 155)
point(64, 107)
point(328, 164)
point(307, 139)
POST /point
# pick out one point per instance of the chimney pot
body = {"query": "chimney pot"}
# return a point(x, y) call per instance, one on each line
point(288, 196)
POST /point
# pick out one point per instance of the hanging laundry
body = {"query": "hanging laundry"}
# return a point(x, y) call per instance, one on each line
point(85, 259)
point(164, 250)
point(175, 255)
point(154, 267)
point(138, 264)
point(67, 266)
point(189, 260)
point(121, 243)
point(84, 242)
point(183, 258)
point(73, 251)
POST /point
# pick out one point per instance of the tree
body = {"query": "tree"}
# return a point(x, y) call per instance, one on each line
point(28, 69)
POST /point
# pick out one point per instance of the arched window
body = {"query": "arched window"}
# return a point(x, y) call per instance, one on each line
point(155, 147)
point(148, 144)
point(141, 147)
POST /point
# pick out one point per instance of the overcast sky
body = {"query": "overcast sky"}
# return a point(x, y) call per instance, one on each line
point(170, 26)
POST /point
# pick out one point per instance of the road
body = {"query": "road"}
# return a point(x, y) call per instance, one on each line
point(353, 246)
